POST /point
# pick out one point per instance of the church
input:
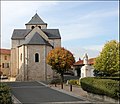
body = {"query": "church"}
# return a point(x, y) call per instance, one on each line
point(29, 49)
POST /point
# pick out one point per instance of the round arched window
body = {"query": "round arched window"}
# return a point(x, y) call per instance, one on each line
point(39, 27)
point(36, 57)
point(32, 27)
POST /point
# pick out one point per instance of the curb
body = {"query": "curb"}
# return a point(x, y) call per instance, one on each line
point(15, 100)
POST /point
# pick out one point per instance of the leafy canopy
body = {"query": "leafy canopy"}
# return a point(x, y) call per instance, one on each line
point(108, 60)
point(60, 59)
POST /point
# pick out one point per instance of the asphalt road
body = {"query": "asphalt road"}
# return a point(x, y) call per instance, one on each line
point(37, 93)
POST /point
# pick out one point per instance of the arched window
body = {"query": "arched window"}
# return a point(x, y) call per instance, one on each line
point(32, 27)
point(36, 57)
point(39, 27)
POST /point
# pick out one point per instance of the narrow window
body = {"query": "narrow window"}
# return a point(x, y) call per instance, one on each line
point(32, 27)
point(39, 27)
point(2, 65)
point(7, 65)
point(36, 57)
point(5, 57)
point(21, 57)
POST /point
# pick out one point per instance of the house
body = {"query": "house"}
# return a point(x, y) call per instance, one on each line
point(78, 65)
point(5, 61)
point(29, 49)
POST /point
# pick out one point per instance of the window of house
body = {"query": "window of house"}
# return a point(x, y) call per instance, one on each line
point(5, 57)
point(39, 27)
point(7, 65)
point(32, 27)
point(2, 65)
point(21, 56)
point(36, 57)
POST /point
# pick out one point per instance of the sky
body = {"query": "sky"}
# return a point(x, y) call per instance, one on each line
point(85, 26)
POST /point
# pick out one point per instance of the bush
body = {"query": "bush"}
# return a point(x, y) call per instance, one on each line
point(5, 96)
point(99, 86)
point(73, 82)
point(56, 81)
point(112, 78)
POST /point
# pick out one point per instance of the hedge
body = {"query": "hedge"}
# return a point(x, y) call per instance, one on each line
point(5, 96)
point(99, 86)
point(113, 78)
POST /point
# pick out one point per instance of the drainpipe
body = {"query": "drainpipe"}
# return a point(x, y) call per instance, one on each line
point(18, 61)
point(45, 64)
point(27, 63)
point(24, 61)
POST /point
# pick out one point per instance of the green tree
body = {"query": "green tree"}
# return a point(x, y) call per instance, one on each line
point(108, 60)
point(60, 60)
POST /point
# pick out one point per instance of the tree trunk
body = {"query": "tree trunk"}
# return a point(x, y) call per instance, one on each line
point(62, 78)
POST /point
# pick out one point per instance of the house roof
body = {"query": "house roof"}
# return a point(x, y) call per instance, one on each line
point(5, 51)
point(37, 39)
point(22, 33)
point(36, 20)
point(80, 62)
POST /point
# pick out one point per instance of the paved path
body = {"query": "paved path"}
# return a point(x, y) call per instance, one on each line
point(38, 93)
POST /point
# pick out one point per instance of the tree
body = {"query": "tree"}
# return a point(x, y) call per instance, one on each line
point(60, 60)
point(108, 60)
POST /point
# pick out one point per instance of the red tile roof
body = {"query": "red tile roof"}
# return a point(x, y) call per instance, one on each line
point(80, 62)
point(5, 51)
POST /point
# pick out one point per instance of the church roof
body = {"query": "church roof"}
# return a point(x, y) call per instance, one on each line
point(37, 39)
point(36, 20)
point(21, 33)
point(52, 33)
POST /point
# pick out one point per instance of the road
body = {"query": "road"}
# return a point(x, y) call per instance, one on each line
point(38, 93)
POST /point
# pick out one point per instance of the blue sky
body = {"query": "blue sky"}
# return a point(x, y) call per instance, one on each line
point(84, 26)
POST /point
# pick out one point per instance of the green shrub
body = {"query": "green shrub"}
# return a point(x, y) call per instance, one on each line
point(73, 82)
point(56, 81)
point(99, 86)
point(113, 78)
point(5, 96)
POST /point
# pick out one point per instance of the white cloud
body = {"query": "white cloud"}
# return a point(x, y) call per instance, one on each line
point(79, 52)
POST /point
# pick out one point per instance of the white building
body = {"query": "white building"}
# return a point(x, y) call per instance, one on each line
point(86, 70)
point(29, 49)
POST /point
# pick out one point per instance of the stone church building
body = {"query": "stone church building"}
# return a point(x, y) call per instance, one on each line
point(29, 49)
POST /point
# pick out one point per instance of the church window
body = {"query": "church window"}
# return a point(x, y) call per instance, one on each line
point(36, 57)
point(32, 27)
point(21, 57)
point(39, 27)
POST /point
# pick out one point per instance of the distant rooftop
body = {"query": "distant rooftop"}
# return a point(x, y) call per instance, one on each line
point(80, 62)
point(5, 51)
point(36, 20)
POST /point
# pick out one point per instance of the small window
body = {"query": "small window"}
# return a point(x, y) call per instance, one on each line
point(7, 65)
point(2, 65)
point(21, 56)
point(36, 57)
point(32, 27)
point(5, 57)
point(39, 27)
